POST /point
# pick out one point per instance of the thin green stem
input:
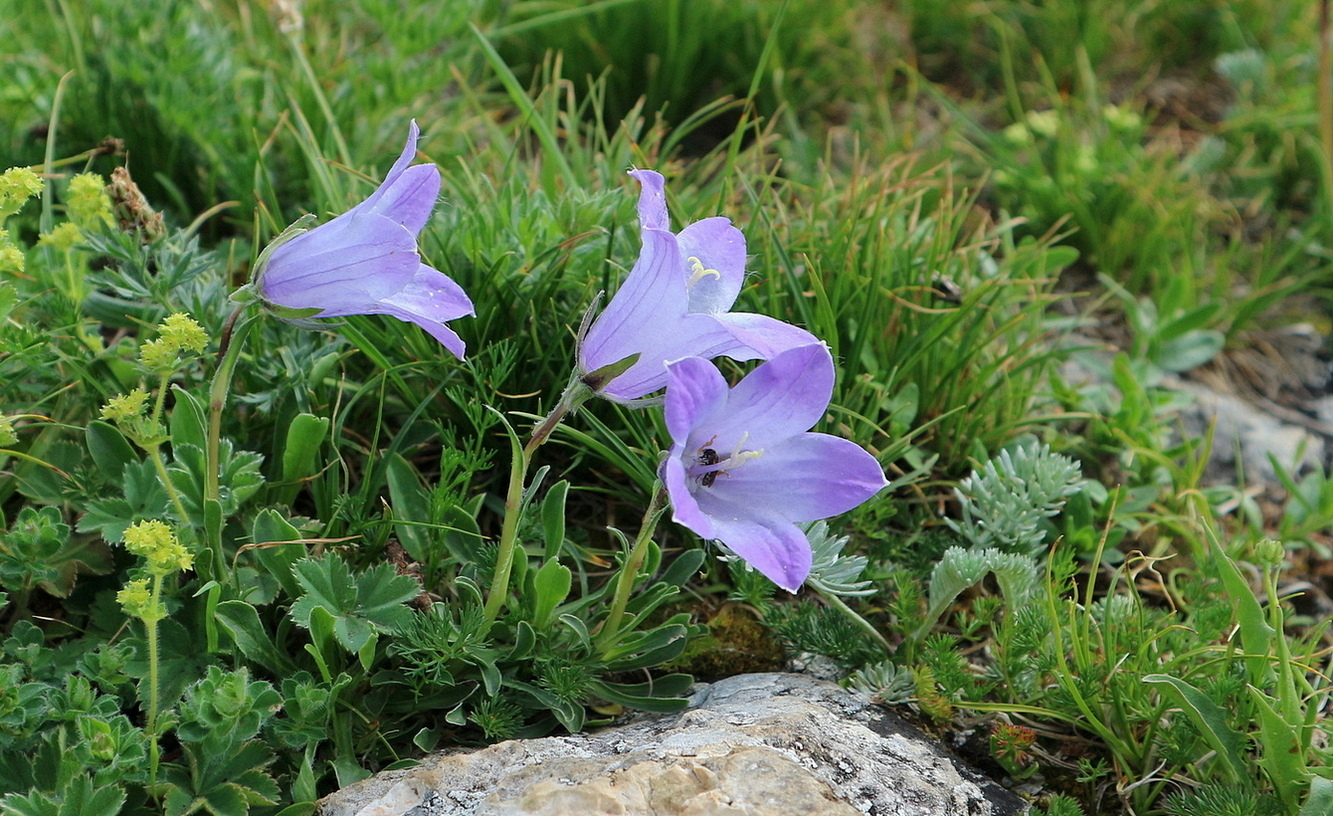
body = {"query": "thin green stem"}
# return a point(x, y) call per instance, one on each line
point(1324, 89)
point(150, 624)
point(629, 571)
point(521, 459)
point(228, 352)
point(504, 560)
point(842, 606)
point(154, 449)
point(155, 454)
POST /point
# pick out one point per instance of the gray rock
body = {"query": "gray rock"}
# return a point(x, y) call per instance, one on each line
point(750, 745)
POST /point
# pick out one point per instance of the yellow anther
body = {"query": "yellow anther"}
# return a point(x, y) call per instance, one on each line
point(700, 271)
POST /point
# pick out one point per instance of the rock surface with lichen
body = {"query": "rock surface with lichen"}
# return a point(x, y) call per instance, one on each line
point(749, 745)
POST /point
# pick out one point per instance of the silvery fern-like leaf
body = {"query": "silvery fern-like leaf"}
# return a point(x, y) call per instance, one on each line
point(832, 572)
point(958, 569)
point(1004, 504)
point(885, 682)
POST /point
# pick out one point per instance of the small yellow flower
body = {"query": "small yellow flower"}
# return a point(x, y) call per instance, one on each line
point(1044, 123)
point(126, 407)
point(184, 333)
point(155, 541)
point(11, 257)
point(137, 601)
point(88, 202)
point(63, 238)
point(17, 185)
point(158, 356)
point(177, 334)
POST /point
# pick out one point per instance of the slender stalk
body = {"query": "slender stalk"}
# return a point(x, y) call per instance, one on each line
point(1324, 86)
point(857, 619)
point(150, 623)
point(155, 454)
point(154, 449)
point(629, 571)
point(217, 400)
point(574, 395)
point(504, 560)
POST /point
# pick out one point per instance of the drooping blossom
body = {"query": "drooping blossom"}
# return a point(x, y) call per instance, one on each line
point(743, 467)
point(365, 261)
point(675, 303)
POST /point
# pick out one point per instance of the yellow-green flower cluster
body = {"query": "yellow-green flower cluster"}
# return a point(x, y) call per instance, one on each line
point(7, 435)
point(64, 237)
point(126, 407)
point(155, 541)
point(87, 202)
point(17, 185)
point(137, 601)
point(177, 335)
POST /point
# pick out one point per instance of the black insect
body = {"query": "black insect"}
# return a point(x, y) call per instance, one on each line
point(708, 456)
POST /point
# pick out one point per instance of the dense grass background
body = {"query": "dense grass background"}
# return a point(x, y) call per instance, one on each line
point(958, 197)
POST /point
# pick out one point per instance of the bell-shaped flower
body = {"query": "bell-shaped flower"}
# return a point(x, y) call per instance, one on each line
point(365, 261)
point(675, 303)
point(743, 467)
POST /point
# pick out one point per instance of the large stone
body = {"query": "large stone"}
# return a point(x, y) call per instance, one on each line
point(750, 745)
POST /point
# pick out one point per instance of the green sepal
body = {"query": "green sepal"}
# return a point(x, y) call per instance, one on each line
point(600, 378)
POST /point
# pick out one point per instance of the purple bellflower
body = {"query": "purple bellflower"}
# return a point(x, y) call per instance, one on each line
point(365, 261)
point(675, 303)
point(743, 467)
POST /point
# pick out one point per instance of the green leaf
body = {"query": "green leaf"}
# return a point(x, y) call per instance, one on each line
point(361, 605)
point(550, 586)
point(1320, 800)
point(242, 621)
point(410, 504)
point(304, 436)
point(1211, 721)
point(110, 450)
point(145, 498)
point(1281, 753)
point(1256, 635)
point(188, 423)
point(661, 695)
point(278, 560)
point(553, 518)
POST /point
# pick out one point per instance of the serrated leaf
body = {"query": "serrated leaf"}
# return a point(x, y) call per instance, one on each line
point(145, 498)
point(360, 605)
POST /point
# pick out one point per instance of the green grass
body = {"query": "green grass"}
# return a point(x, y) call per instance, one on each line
point(957, 198)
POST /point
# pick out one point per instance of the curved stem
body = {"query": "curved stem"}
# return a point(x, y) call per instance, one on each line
point(573, 396)
point(629, 571)
point(155, 454)
point(504, 560)
point(857, 619)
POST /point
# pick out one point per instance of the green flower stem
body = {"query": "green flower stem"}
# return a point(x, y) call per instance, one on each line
point(228, 351)
point(842, 606)
point(155, 453)
point(575, 394)
point(629, 571)
point(504, 561)
point(154, 449)
point(150, 623)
